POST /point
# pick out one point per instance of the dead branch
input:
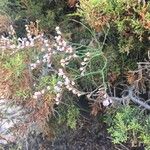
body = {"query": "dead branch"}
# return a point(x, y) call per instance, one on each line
point(131, 96)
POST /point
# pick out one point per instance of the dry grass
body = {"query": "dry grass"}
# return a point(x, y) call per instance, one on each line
point(5, 22)
point(5, 83)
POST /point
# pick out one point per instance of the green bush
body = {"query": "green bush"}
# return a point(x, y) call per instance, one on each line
point(49, 13)
point(128, 125)
point(68, 115)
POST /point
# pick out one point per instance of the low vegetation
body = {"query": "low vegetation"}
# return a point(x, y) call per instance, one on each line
point(47, 67)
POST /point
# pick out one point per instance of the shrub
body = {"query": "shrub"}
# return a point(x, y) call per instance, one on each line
point(49, 13)
point(128, 125)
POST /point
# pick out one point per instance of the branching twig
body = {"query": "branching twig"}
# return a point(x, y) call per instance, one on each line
point(133, 98)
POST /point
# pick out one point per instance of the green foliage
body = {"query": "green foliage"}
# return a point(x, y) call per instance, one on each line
point(23, 94)
point(15, 64)
point(72, 116)
point(68, 114)
point(123, 122)
point(117, 30)
point(3, 4)
point(127, 124)
point(145, 135)
point(125, 17)
point(47, 12)
point(50, 81)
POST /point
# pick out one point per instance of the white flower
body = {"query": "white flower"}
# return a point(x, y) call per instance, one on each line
point(67, 81)
point(69, 49)
point(64, 43)
point(27, 43)
point(62, 61)
point(62, 49)
point(18, 46)
point(43, 91)
point(85, 59)
point(33, 65)
point(106, 103)
point(81, 69)
point(57, 99)
point(57, 28)
point(75, 56)
point(42, 49)
point(44, 60)
point(37, 93)
point(48, 87)
point(58, 38)
point(32, 68)
point(32, 43)
point(54, 52)
point(57, 89)
point(58, 95)
point(38, 61)
point(60, 83)
point(105, 96)
point(49, 49)
point(83, 63)
point(58, 48)
point(74, 91)
point(60, 72)
point(69, 87)
point(79, 94)
point(88, 54)
point(13, 46)
point(82, 73)
point(47, 45)
point(57, 102)
point(49, 65)
point(35, 97)
point(58, 32)
point(45, 41)
point(73, 83)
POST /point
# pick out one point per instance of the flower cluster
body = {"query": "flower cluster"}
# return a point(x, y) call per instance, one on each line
point(61, 45)
point(47, 51)
point(12, 31)
point(38, 95)
point(68, 83)
point(46, 58)
point(65, 61)
point(15, 44)
point(104, 97)
point(107, 101)
point(58, 91)
point(85, 63)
